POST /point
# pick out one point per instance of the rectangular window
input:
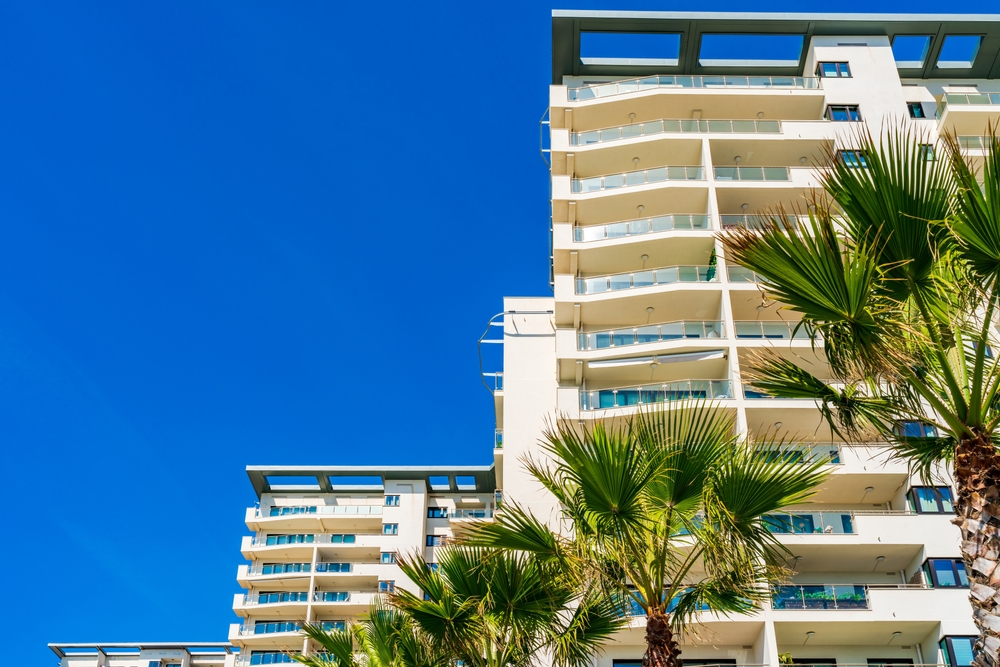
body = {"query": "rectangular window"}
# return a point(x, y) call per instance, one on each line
point(945, 573)
point(386, 586)
point(390, 529)
point(833, 71)
point(437, 512)
point(388, 557)
point(927, 152)
point(852, 158)
point(392, 501)
point(435, 540)
point(843, 112)
point(915, 429)
point(931, 500)
point(916, 110)
point(270, 658)
point(957, 650)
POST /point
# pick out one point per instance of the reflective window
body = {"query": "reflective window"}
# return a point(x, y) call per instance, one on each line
point(390, 529)
point(945, 573)
point(852, 158)
point(435, 540)
point(388, 557)
point(931, 500)
point(843, 112)
point(437, 512)
point(392, 501)
point(957, 650)
point(386, 586)
point(915, 429)
point(833, 70)
point(916, 110)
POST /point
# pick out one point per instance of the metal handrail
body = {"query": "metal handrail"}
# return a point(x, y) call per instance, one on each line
point(752, 173)
point(661, 223)
point(820, 596)
point(770, 330)
point(593, 91)
point(306, 568)
point(638, 177)
point(741, 274)
point(308, 538)
point(665, 275)
point(666, 125)
point(761, 222)
point(650, 333)
point(621, 397)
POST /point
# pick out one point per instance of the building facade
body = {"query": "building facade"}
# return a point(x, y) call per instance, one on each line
point(653, 154)
point(146, 654)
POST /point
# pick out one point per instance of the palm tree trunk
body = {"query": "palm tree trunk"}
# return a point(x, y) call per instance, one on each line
point(977, 478)
point(661, 648)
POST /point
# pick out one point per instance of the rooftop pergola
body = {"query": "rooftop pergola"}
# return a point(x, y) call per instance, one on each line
point(454, 479)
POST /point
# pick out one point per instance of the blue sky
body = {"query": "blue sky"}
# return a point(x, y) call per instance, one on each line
point(243, 233)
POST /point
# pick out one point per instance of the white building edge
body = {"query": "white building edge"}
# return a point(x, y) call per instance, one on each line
point(650, 159)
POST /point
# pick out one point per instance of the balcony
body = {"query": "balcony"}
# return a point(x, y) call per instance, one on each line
point(770, 330)
point(614, 88)
point(639, 177)
point(829, 453)
point(652, 333)
point(967, 113)
point(752, 174)
point(739, 274)
point(822, 596)
point(811, 523)
point(667, 275)
point(761, 223)
point(662, 223)
point(299, 546)
point(295, 510)
point(666, 126)
point(313, 517)
point(624, 397)
point(460, 515)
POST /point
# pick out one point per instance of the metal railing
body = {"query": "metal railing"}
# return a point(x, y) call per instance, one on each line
point(752, 174)
point(748, 329)
point(740, 274)
point(639, 177)
point(663, 276)
point(332, 596)
point(276, 597)
point(820, 596)
point(668, 126)
point(802, 453)
point(497, 380)
point(760, 222)
point(651, 333)
point(811, 523)
point(609, 89)
point(305, 538)
point(267, 569)
point(324, 510)
point(621, 397)
point(271, 627)
point(661, 223)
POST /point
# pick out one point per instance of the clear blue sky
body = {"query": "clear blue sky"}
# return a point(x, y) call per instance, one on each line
point(240, 233)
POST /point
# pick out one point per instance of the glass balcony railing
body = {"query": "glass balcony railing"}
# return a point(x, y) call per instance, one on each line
point(303, 538)
point(271, 627)
point(770, 330)
point(276, 598)
point(828, 453)
point(662, 223)
point(667, 126)
point(655, 393)
point(663, 276)
point(651, 333)
point(640, 177)
point(325, 510)
point(739, 274)
point(331, 596)
point(811, 523)
point(470, 514)
point(752, 174)
point(759, 222)
point(822, 596)
point(967, 99)
point(597, 90)
point(263, 570)
point(973, 143)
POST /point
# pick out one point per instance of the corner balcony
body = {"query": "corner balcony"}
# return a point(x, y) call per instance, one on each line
point(642, 227)
point(317, 518)
point(653, 333)
point(761, 223)
point(286, 574)
point(765, 330)
point(273, 634)
point(968, 113)
point(667, 275)
point(635, 178)
point(300, 545)
point(649, 83)
point(753, 174)
point(279, 604)
point(676, 126)
point(627, 397)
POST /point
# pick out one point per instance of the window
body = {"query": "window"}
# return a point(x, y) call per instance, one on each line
point(852, 158)
point(332, 596)
point(282, 568)
point(333, 567)
point(435, 540)
point(388, 557)
point(437, 512)
point(843, 112)
point(390, 529)
point(267, 627)
point(931, 500)
point(945, 573)
point(833, 71)
point(386, 586)
point(273, 540)
point(270, 658)
point(274, 598)
point(927, 152)
point(916, 110)
point(957, 650)
point(392, 501)
point(333, 625)
point(915, 429)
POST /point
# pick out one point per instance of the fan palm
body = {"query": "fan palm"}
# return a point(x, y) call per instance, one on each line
point(898, 270)
point(668, 512)
point(491, 608)
point(386, 638)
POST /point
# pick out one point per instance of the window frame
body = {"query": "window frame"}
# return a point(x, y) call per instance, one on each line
point(911, 494)
point(387, 586)
point(392, 500)
point(390, 529)
point(910, 106)
point(437, 512)
point(946, 644)
point(391, 555)
point(435, 540)
point(837, 65)
point(858, 158)
point(958, 568)
point(828, 114)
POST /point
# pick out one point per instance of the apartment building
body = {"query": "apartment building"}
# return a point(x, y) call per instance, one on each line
point(707, 121)
point(326, 540)
point(146, 654)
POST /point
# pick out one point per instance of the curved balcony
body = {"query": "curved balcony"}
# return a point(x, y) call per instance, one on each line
point(761, 222)
point(321, 510)
point(667, 126)
point(662, 223)
point(740, 274)
point(828, 453)
point(637, 279)
point(652, 333)
point(752, 174)
point(624, 397)
point(774, 330)
point(639, 177)
point(599, 90)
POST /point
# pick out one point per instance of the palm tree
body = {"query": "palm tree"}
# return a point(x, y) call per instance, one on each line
point(898, 270)
point(386, 638)
point(491, 608)
point(668, 511)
